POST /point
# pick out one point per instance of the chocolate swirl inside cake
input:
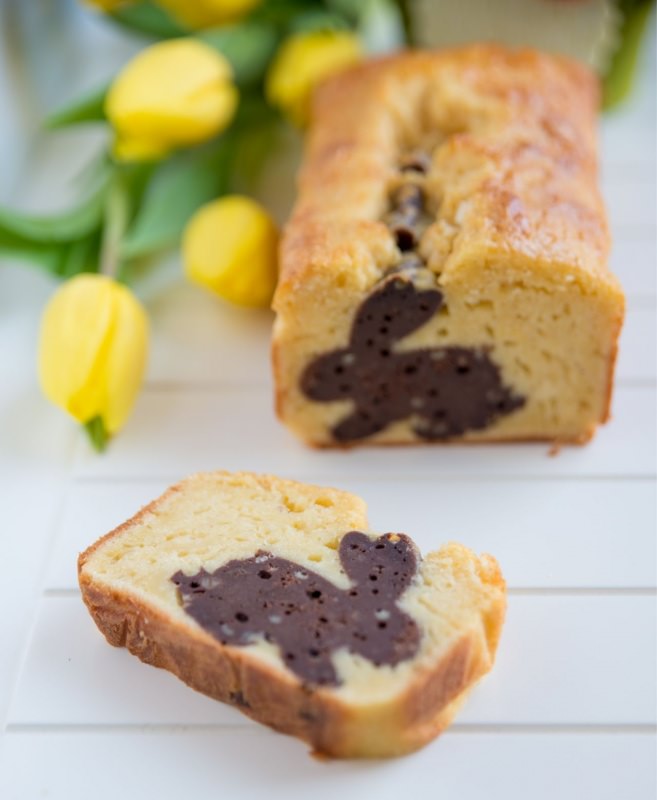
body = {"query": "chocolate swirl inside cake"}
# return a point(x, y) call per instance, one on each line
point(446, 391)
point(307, 616)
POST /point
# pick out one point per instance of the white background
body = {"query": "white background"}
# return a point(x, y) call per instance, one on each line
point(569, 711)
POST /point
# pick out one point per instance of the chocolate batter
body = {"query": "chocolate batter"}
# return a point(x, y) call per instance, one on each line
point(407, 218)
point(446, 390)
point(304, 614)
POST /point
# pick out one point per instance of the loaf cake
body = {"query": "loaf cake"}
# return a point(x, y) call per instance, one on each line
point(275, 597)
point(444, 272)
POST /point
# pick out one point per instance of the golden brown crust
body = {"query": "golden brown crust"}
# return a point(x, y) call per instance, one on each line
point(612, 359)
point(533, 135)
point(229, 675)
point(276, 697)
point(580, 439)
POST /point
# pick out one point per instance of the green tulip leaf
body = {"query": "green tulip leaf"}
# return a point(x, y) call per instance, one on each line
point(318, 20)
point(90, 108)
point(282, 13)
point(348, 8)
point(148, 19)
point(49, 257)
point(253, 147)
point(177, 188)
point(80, 256)
point(97, 433)
point(249, 46)
point(66, 226)
point(60, 259)
point(252, 113)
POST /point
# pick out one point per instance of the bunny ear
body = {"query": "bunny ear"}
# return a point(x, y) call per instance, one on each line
point(183, 582)
point(385, 565)
point(393, 311)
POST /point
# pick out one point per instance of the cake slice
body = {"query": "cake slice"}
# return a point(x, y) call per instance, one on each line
point(275, 597)
point(444, 273)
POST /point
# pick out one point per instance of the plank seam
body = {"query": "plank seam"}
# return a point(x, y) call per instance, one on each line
point(519, 591)
point(209, 386)
point(474, 477)
point(318, 477)
point(457, 728)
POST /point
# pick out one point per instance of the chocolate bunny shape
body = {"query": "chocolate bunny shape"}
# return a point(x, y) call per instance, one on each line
point(447, 390)
point(306, 615)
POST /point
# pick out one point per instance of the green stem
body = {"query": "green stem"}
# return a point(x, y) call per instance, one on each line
point(98, 436)
point(619, 79)
point(117, 216)
point(405, 13)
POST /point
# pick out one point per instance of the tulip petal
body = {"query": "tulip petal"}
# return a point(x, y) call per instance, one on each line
point(125, 360)
point(74, 336)
point(230, 246)
point(302, 62)
point(159, 130)
point(174, 93)
point(92, 352)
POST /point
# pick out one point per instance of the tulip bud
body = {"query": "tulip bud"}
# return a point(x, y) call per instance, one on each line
point(206, 13)
point(173, 94)
point(92, 352)
point(230, 246)
point(303, 61)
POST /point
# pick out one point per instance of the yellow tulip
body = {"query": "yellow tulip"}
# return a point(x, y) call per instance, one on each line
point(206, 13)
point(303, 61)
point(92, 352)
point(230, 246)
point(173, 94)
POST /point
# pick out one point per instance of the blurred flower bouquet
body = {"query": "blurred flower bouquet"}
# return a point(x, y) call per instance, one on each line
point(197, 107)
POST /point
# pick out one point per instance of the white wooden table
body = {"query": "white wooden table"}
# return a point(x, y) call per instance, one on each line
point(569, 711)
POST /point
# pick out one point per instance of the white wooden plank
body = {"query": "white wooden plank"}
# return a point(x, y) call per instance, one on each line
point(200, 339)
point(637, 355)
point(35, 449)
point(561, 657)
point(558, 533)
point(28, 528)
point(559, 662)
point(173, 433)
point(628, 141)
point(631, 200)
point(250, 764)
point(90, 511)
point(528, 525)
point(634, 261)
